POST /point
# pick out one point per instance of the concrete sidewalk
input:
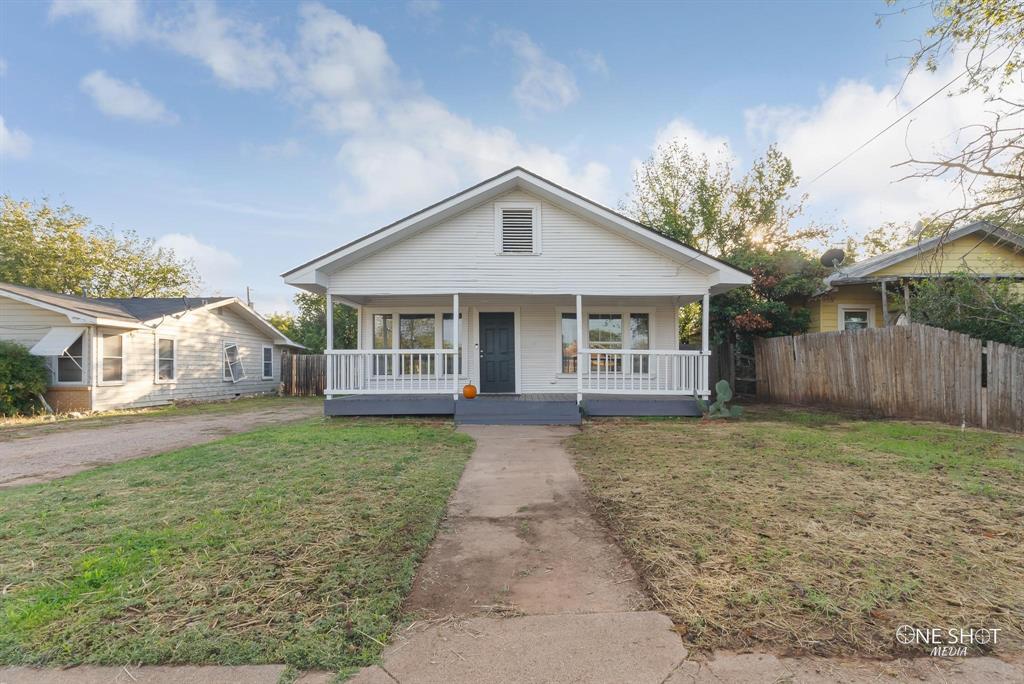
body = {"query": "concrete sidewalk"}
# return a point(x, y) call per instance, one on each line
point(522, 584)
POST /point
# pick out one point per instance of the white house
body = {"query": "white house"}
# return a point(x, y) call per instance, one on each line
point(120, 353)
point(529, 269)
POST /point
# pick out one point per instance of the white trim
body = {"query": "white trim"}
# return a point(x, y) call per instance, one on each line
point(841, 309)
point(156, 358)
point(101, 356)
point(263, 362)
point(537, 222)
point(515, 311)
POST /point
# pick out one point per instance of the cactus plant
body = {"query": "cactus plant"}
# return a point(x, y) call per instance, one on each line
point(719, 409)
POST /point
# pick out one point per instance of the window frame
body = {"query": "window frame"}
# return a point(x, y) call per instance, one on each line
point(101, 344)
point(156, 359)
point(627, 339)
point(842, 310)
point(86, 337)
point(395, 313)
point(226, 365)
point(263, 362)
point(538, 231)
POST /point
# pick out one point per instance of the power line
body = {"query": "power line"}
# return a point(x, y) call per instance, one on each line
point(882, 132)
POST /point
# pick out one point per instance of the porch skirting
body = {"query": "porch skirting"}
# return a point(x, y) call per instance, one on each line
point(519, 409)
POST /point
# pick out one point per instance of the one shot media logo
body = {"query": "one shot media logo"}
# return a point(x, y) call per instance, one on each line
point(947, 642)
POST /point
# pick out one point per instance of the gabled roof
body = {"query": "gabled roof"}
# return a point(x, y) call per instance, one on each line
point(133, 312)
point(311, 272)
point(862, 270)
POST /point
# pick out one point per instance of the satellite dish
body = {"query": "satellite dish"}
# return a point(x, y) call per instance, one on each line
point(833, 257)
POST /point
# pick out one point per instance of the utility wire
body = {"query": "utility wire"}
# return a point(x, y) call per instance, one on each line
point(881, 132)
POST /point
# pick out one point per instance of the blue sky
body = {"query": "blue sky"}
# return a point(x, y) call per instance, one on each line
point(253, 136)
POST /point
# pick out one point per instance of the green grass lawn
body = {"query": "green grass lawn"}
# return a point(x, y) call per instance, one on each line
point(804, 532)
point(294, 544)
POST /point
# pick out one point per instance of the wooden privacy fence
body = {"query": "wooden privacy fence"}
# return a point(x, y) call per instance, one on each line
point(303, 374)
point(912, 371)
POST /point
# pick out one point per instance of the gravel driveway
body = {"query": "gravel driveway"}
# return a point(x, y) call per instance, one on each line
point(68, 448)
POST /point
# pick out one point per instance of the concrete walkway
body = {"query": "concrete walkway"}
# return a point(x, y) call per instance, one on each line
point(522, 584)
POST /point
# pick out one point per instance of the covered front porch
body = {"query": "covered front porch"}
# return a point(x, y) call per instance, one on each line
point(411, 357)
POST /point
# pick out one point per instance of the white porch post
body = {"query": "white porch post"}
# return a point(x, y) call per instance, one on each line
point(330, 345)
point(455, 345)
point(705, 343)
point(579, 347)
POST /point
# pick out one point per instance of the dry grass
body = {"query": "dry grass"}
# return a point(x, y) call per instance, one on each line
point(805, 532)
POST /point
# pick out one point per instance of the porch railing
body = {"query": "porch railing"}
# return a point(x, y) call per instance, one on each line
point(616, 371)
point(404, 371)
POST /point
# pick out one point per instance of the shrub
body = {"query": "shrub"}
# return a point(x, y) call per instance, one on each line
point(22, 379)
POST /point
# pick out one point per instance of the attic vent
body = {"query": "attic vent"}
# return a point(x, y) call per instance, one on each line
point(518, 231)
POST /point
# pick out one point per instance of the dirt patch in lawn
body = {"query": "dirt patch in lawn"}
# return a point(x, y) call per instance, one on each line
point(802, 532)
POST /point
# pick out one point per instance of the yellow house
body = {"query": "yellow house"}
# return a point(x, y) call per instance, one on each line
point(875, 292)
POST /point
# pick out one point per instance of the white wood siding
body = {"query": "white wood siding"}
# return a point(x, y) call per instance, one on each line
point(199, 336)
point(458, 255)
point(27, 324)
point(539, 362)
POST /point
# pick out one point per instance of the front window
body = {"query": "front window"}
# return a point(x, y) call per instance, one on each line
point(69, 364)
point(165, 359)
point(383, 338)
point(607, 331)
point(855, 319)
point(113, 358)
point(416, 331)
point(448, 340)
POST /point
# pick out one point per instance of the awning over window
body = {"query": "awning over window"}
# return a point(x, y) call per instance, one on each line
point(55, 342)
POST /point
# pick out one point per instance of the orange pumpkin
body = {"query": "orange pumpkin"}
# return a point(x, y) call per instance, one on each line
point(469, 391)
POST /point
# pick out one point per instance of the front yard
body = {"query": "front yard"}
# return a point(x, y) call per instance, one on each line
point(803, 532)
point(292, 544)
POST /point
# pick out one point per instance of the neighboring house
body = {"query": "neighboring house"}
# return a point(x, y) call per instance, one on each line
point(873, 293)
point(120, 353)
point(557, 297)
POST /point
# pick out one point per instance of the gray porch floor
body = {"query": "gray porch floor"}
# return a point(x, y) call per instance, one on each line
point(511, 409)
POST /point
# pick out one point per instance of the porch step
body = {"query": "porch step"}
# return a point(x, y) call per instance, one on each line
point(515, 411)
point(640, 406)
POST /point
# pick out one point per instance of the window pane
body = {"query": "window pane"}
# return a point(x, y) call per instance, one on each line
point(416, 331)
point(232, 363)
point(166, 349)
point(112, 345)
point(855, 320)
point(268, 354)
point(640, 338)
point(569, 343)
point(69, 369)
point(448, 339)
point(382, 333)
point(605, 331)
point(165, 369)
point(111, 370)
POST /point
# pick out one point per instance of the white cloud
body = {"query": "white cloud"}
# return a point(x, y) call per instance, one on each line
point(684, 132)
point(124, 100)
point(423, 8)
point(117, 19)
point(593, 62)
point(13, 143)
point(545, 84)
point(865, 190)
point(220, 270)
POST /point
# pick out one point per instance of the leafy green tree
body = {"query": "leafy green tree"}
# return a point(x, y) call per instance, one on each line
point(53, 248)
point(309, 327)
point(989, 310)
point(747, 220)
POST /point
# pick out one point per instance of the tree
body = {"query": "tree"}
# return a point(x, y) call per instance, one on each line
point(745, 220)
point(309, 327)
point(988, 37)
point(989, 310)
point(53, 248)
